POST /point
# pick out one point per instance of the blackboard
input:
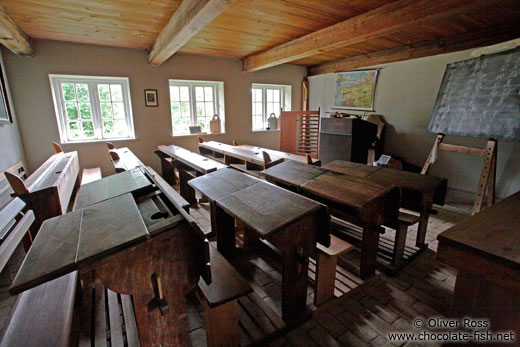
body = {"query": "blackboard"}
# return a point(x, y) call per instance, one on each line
point(480, 97)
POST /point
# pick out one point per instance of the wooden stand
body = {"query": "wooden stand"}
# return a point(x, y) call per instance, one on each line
point(489, 167)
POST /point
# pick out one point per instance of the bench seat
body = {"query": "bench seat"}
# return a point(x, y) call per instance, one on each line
point(42, 316)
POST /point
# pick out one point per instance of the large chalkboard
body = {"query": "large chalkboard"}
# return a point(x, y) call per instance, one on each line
point(480, 97)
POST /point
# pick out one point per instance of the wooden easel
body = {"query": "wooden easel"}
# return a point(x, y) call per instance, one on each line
point(489, 167)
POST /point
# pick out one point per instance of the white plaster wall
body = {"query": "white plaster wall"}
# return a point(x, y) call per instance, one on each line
point(405, 96)
point(33, 100)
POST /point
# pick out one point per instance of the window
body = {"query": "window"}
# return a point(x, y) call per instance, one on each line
point(92, 108)
point(195, 103)
point(268, 99)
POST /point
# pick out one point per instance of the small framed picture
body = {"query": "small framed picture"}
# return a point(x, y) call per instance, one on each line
point(150, 98)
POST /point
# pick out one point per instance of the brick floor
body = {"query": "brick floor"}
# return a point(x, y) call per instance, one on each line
point(365, 316)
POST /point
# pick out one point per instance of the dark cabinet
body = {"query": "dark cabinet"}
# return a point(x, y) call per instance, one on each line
point(345, 139)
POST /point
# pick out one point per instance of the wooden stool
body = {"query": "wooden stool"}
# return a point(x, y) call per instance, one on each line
point(326, 268)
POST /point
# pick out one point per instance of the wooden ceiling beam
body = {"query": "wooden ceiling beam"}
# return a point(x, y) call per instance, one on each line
point(381, 21)
point(12, 37)
point(186, 22)
point(422, 49)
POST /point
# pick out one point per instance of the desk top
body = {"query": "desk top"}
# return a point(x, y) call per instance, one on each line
point(80, 237)
point(194, 160)
point(249, 154)
point(267, 208)
point(493, 233)
point(293, 173)
point(413, 182)
point(275, 153)
point(127, 158)
point(222, 183)
point(356, 196)
point(111, 186)
point(50, 172)
point(351, 169)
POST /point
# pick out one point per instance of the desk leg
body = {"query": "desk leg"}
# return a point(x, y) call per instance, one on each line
point(423, 222)
point(168, 171)
point(400, 243)
point(225, 225)
point(369, 245)
point(187, 192)
point(294, 285)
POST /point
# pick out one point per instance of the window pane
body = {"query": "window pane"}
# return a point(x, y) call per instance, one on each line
point(82, 92)
point(174, 93)
point(68, 91)
point(74, 130)
point(181, 125)
point(119, 110)
point(121, 128)
point(258, 109)
point(86, 112)
point(269, 109)
point(269, 96)
point(257, 123)
point(258, 94)
point(200, 109)
point(176, 110)
point(117, 92)
point(208, 93)
point(199, 94)
point(108, 127)
point(210, 110)
point(276, 108)
point(106, 110)
point(72, 110)
point(185, 108)
point(104, 92)
point(185, 93)
point(276, 94)
point(88, 129)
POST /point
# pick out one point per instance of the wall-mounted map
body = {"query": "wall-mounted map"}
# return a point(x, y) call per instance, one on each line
point(355, 90)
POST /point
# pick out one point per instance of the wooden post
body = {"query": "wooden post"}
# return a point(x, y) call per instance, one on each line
point(487, 175)
point(485, 182)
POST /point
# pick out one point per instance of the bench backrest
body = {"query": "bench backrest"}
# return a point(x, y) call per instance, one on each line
point(13, 227)
point(5, 189)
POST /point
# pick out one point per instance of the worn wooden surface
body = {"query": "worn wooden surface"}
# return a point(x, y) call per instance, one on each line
point(267, 208)
point(194, 160)
point(491, 234)
point(18, 232)
point(132, 181)
point(52, 254)
point(370, 202)
point(351, 168)
point(101, 234)
point(226, 284)
point(221, 183)
point(50, 187)
point(244, 155)
point(52, 325)
point(274, 153)
point(292, 173)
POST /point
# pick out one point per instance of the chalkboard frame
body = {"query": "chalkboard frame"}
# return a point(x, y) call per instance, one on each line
point(476, 123)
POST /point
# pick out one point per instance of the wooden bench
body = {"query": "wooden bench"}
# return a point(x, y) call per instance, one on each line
point(122, 158)
point(188, 164)
point(5, 188)
point(219, 300)
point(327, 259)
point(90, 175)
point(48, 190)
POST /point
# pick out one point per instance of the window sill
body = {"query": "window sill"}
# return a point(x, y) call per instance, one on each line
point(200, 134)
point(101, 140)
point(265, 131)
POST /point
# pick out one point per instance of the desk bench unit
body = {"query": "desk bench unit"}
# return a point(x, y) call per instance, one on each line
point(48, 190)
point(247, 160)
point(121, 238)
point(364, 195)
point(189, 165)
point(485, 250)
point(290, 222)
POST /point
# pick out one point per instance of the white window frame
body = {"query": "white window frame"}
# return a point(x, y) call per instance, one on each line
point(218, 98)
point(95, 104)
point(285, 101)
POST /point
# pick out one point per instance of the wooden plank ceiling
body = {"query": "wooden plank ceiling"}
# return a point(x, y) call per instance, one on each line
point(269, 32)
